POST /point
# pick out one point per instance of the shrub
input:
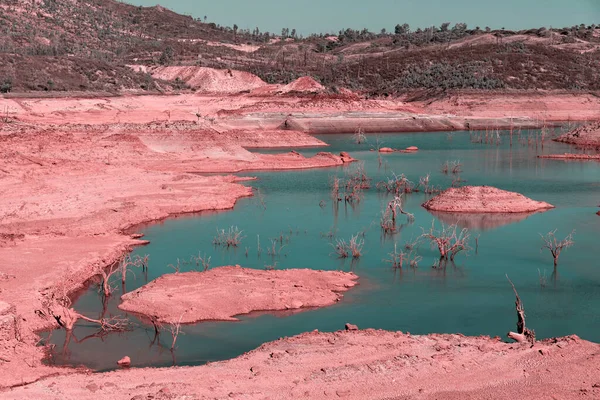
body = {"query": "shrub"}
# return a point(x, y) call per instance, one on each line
point(6, 86)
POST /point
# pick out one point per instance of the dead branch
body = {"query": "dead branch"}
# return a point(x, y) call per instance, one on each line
point(523, 333)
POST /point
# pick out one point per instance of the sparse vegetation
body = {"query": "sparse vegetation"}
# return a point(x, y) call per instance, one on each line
point(105, 37)
point(397, 185)
point(353, 248)
point(231, 237)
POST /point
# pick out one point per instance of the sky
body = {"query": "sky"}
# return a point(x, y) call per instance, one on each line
point(320, 16)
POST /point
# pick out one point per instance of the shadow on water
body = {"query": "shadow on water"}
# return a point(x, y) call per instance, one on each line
point(470, 296)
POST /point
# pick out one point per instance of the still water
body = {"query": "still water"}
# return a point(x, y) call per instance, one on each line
point(472, 297)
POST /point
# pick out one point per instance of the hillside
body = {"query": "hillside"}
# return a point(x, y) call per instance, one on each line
point(51, 45)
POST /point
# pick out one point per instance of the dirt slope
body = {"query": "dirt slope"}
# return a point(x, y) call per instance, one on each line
point(209, 80)
point(357, 365)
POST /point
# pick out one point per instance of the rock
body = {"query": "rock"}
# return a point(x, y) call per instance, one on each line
point(346, 158)
point(412, 148)
point(386, 150)
point(598, 213)
point(124, 362)
point(351, 327)
point(297, 304)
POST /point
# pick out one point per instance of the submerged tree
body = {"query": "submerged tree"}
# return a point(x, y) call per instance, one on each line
point(555, 246)
point(390, 215)
point(448, 240)
point(359, 136)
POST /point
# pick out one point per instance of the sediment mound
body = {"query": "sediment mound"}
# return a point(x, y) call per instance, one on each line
point(571, 156)
point(585, 135)
point(210, 80)
point(221, 293)
point(484, 199)
point(305, 84)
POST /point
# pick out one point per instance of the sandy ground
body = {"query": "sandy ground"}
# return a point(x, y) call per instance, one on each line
point(222, 293)
point(483, 199)
point(77, 174)
point(357, 365)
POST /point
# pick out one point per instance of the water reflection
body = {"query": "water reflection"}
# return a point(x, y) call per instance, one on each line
point(481, 221)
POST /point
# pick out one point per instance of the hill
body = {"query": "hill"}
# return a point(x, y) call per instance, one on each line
point(51, 45)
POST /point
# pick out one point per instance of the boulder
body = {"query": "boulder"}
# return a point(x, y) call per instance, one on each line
point(124, 362)
point(351, 327)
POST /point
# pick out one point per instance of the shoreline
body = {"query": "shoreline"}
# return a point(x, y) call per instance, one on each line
point(92, 188)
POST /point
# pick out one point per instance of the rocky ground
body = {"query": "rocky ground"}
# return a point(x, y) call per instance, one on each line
point(587, 135)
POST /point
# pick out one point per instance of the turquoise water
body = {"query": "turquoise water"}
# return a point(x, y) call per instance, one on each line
point(472, 297)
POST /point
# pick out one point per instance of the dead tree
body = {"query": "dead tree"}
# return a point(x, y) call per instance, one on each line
point(59, 308)
point(335, 189)
point(556, 247)
point(358, 177)
point(106, 274)
point(390, 214)
point(175, 329)
point(359, 136)
point(523, 334)
point(448, 240)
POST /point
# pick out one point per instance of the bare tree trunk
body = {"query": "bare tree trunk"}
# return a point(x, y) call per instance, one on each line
point(523, 334)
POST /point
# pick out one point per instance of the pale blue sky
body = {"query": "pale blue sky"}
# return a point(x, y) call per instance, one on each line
point(331, 15)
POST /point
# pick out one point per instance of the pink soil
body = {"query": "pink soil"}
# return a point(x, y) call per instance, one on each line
point(483, 199)
point(367, 364)
point(540, 105)
point(585, 135)
point(305, 84)
point(210, 80)
point(386, 150)
point(222, 293)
